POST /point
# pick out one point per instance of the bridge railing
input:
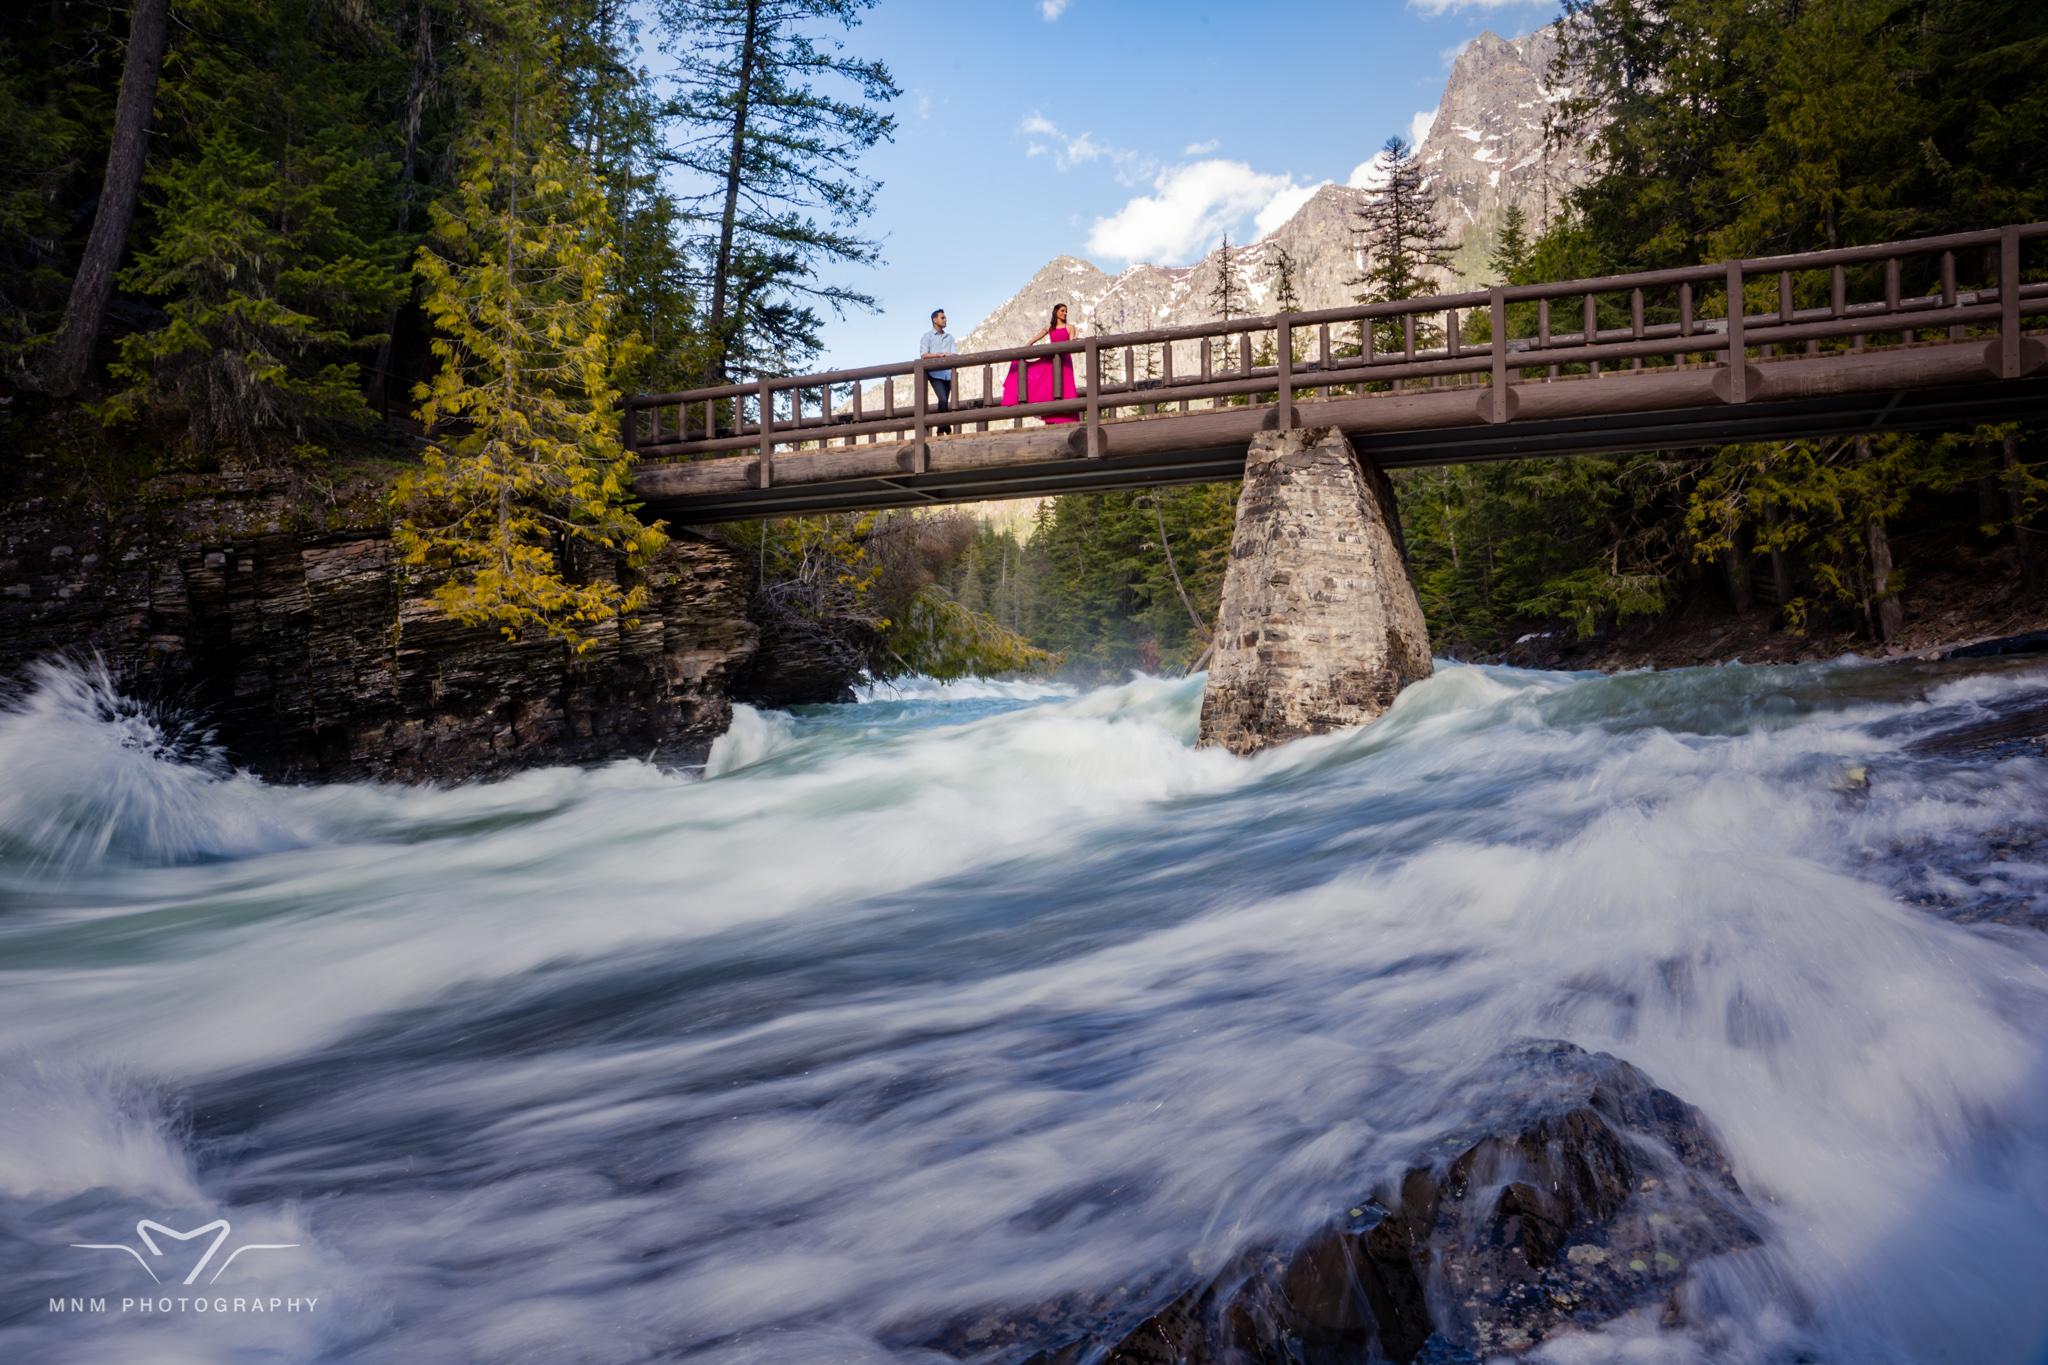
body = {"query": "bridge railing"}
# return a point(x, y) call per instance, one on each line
point(1393, 345)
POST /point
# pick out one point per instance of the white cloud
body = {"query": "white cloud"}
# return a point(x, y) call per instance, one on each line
point(1370, 174)
point(924, 106)
point(1454, 51)
point(1434, 7)
point(1201, 148)
point(1070, 151)
point(1053, 9)
point(1190, 205)
point(1281, 206)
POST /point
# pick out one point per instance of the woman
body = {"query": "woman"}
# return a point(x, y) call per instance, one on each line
point(1040, 375)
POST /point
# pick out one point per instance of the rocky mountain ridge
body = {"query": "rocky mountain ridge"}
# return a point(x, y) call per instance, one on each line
point(1486, 149)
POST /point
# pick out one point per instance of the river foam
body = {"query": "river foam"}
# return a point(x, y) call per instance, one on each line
point(970, 997)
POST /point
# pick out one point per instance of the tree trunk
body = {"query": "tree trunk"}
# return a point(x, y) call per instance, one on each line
point(2022, 537)
point(1888, 616)
point(415, 95)
point(71, 355)
point(723, 270)
point(1735, 566)
point(1781, 564)
point(1193, 615)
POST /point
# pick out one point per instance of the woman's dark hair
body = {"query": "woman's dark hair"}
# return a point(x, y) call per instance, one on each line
point(1054, 320)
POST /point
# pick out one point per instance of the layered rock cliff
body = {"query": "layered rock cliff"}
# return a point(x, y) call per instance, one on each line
point(271, 604)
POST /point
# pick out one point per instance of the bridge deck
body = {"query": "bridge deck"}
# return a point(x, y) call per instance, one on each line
point(1980, 367)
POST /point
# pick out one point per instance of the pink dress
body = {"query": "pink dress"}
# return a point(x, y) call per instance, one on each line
point(1038, 381)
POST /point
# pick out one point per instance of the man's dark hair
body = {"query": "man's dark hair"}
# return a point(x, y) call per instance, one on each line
point(936, 312)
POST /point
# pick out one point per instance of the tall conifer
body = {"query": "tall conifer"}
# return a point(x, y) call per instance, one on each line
point(1227, 297)
point(272, 250)
point(528, 462)
point(1403, 240)
point(761, 127)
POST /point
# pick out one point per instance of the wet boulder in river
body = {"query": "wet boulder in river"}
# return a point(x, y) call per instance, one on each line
point(1579, 1192)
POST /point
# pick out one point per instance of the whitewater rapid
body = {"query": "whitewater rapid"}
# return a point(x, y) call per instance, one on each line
point(967, 997)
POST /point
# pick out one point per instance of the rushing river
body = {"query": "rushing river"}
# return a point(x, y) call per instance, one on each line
point(973, 996)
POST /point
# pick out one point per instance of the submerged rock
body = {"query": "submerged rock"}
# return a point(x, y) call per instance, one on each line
point(1319, 627)
point(1580, 1193)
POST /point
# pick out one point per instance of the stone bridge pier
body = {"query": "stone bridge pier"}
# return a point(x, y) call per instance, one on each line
point(1320, 627)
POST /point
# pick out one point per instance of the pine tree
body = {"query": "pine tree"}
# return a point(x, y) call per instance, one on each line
point(619, 121)
point(529, 370)
point(64, 368)
point(1286, 299)
point(1513, 254)
point(1286, 294)
point(779, 154)
point(1403, 239)
point(268, 289)
point(1227, 298)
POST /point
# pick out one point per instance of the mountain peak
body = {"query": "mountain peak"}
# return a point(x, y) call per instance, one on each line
point(1486, 150)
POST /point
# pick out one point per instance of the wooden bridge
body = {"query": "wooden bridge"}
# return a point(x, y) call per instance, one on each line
point(1838, 348)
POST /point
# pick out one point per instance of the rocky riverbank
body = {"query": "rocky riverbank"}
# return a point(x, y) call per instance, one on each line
point(269, 602)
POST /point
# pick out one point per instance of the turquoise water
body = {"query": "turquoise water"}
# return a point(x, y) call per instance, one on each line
point(968, 997)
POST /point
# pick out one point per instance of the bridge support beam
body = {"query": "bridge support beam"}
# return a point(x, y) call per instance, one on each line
point(1320, 627)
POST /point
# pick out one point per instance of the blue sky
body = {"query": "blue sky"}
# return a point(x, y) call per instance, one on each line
point(1123, 130)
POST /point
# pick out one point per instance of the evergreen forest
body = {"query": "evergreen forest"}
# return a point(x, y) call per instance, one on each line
point(440, 237)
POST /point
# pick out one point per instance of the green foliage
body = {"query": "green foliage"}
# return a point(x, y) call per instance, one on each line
point(269, 288)
point(528, 458)
point(1404, 244)
point(942, 638)
point(1228, 297)
point(902, 585)
point(1101, 589)
point(1513, 258)
point(1286, 295)
point(1818, 500)
point(48, 107)
point(1726, 128)
point(617, 117)
point(1588, 540)
point(777, 151)
point(1400, 232)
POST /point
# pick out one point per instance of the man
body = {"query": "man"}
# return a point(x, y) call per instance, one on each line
point(937, 343)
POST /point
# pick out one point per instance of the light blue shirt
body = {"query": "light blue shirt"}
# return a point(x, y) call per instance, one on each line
point(940, 343)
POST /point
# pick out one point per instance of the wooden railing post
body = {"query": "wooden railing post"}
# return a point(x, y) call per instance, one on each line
point(1956, 331)
point(2009, 302)
point(1285, 339)
point(767, 436)
point(919, 455)
point(1738, 372)
point(1891, 296)
point(1093, 352)
point(629, 426)
point(1497, 308)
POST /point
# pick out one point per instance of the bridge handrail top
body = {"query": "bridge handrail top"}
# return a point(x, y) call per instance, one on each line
point(1429, 303)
